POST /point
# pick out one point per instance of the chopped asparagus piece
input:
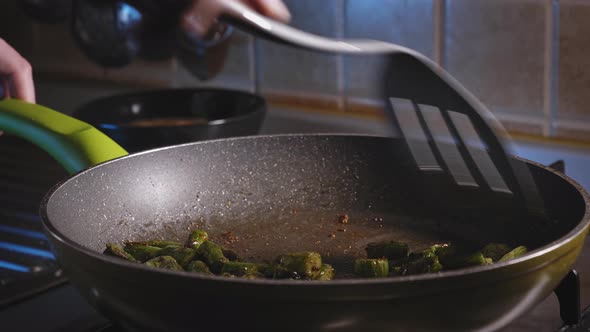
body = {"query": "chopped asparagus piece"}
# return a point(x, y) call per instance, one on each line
point(466, 260)
point(182, 255)
point(212, 254)
point(301, 265)
point(196, 238)
point(453, 256)
point(326, 272)
point(253, 275)
point(156, 243)
point(514, 253)
point(116, 250)
point(424, 262)
point(371, 268)
point(142, 252)
point(397, 271)
point(198, 267)
point(447, 252)
point(391, 250)
point(239, 268)
point(437, 249)
point(164, 262)
point(495, 251)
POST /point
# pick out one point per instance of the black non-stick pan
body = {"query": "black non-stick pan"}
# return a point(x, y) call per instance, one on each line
point(150, 119)
point(280, 194)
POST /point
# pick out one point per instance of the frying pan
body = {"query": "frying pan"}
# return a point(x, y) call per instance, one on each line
point(155, 118)
point(281, 194)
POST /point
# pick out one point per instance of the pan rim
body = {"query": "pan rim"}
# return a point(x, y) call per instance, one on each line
point(583, 226)
point(259, 109)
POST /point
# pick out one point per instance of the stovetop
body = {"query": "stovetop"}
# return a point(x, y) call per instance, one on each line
point(35, 295)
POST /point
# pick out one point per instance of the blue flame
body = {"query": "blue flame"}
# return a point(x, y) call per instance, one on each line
point(30, 217)
point(26, 250)
point(14, 267)
point(23, 232)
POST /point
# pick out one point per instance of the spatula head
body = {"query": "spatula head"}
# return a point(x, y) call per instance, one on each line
point(449, 133)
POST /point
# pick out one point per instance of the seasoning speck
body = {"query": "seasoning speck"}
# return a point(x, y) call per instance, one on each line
point(229, 237)
point(343, 219)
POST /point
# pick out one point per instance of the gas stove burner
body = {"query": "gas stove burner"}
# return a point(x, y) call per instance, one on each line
point(27, 265)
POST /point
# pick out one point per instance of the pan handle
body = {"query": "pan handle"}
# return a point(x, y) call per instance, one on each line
point(76, 145)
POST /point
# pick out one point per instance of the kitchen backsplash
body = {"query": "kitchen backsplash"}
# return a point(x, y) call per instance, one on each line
point(527, 60)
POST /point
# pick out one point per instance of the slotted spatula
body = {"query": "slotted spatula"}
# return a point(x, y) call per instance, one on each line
point(446, 128)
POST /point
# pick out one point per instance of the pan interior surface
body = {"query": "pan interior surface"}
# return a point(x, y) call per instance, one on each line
point(268, 195)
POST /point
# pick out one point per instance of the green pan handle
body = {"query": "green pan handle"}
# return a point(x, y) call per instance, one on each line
point(76, 145)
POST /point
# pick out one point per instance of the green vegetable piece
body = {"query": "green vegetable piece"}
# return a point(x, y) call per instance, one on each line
point(391, 250)
point(326, 272)
point(156, 243)
point(212, 254)
point(142, 252)
point(438, 249)
point(453, 256)
point(253, 275)
point(164, 262)
point(301, 265)
point(495, 251)
point(116, 250)
point(514, 253)
point(466, 260)
point(397, 271)
point(424, 262)
point(182, 255)
point(239, 268)
point(446, 252)
point(265, 269)
point(371, 267)
point(198, 267)
point(196, 238)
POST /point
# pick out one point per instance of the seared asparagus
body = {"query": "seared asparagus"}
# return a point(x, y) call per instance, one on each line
point(391, 250)
point(164, 262)
point(212, 254)
point(116, 250)
point(514, 253)
point(371, 267)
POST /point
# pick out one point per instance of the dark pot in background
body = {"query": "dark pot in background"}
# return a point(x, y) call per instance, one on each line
point(151, 119)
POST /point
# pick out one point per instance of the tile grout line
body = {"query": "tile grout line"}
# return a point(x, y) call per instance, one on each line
point(256, 64)
point(438, 15)
point(551, 84)
point(252, 75)
point(340, 21)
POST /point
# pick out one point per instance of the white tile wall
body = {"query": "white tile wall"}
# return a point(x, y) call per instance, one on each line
point(526, 59)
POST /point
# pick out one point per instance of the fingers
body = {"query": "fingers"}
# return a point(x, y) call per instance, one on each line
point(275, 9)
point(202, 15)
point(16, 70)
point(22, 81)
